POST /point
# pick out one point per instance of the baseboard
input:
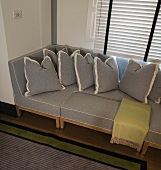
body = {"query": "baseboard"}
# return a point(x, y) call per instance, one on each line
point(8, 109)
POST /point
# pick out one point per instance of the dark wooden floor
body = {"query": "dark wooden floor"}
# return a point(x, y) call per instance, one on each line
point(86, 136)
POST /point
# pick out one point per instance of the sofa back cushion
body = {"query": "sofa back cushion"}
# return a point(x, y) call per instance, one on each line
point(57, 48)
point(83, 51)
point(137, 81)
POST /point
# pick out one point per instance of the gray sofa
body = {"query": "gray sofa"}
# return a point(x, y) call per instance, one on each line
point(94, 111)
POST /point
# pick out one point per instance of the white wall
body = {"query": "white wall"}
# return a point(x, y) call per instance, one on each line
point(45, 22)
point(72, 22)
point(6, 94)
point(21, 36)
point(26, 34)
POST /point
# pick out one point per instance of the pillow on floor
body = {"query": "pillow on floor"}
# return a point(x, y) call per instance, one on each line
point(155, 93)
point(40, 78)
point(137, 81)
point(84, 70)
point(66, 69)
point(106, 75)
point(53, 55)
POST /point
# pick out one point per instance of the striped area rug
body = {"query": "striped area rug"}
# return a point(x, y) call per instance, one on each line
point(24, 149)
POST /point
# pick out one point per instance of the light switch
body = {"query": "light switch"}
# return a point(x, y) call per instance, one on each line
point(17, 14)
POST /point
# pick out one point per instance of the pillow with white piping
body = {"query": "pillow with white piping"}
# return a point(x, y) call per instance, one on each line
point(53, 55)
point(155, 93)
point(137, 81)
point(106, 75)
point(66, 69)
point(84, 70)
point(40, 77)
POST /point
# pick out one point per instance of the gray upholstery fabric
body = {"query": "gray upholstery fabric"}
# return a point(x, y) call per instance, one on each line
point(17, 74)
point(106, 75)
point(137, 81)
point(66, 69)
point(103, 57)
point(122, 64)
point(18, 80)
point(51, 102)
point(40, 78)
point(154, 134)
point(90, 109)
point(155, 93)
point(71, 49)
point(53, 55)
point(83, 51)
point(57, 48)
point(60, 48)
point(116, 95)
point(84, 70)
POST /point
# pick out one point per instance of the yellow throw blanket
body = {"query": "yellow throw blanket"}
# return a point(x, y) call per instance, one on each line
point(131, 124)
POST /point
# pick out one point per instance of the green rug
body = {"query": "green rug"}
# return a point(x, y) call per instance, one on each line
point(89, 152)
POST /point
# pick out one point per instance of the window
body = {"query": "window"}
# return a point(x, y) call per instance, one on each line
point(101, 22)
point(155, 48)
point(91, 20)
point(130, 27)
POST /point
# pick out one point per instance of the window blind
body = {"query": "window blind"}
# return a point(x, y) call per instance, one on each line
point(91, 20)
point(130, 27)
point(155, 48)
point(101, 23)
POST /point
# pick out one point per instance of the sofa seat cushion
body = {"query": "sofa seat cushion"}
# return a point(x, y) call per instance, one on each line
point(90, 110)
point(113, 94)
point(49, 102)
point(154, 134)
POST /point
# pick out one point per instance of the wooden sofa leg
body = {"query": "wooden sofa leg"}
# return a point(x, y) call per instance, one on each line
point(145, 147)
point(57, 123)
point(62, 123)
point(19, 111)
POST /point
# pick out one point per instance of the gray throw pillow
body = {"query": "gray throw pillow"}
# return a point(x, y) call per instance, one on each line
point(137, 81)
point(66, 69)
point(53, 55)
point(155, 93)
point(40, 78)
point(106, 75)
point(84, 70)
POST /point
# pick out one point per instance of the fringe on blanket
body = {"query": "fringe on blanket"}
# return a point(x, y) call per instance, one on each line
point(126, 142)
